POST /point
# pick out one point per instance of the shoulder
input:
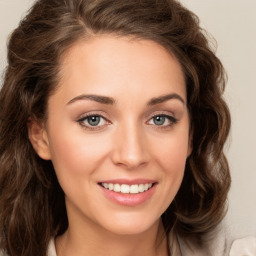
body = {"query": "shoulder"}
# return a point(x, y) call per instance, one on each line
point(50, 252)
point(217, 243)
point(244, 246)
point(221, 243)
point(2, 253)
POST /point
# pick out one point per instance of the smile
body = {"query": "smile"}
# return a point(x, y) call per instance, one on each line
point(127, 189)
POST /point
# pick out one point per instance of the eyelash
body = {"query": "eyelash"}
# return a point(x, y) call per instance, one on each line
point(85, 118)
point(172, 120)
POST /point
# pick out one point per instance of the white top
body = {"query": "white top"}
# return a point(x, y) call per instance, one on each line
point(244, 247)
point(240, 247)
point(51, 248)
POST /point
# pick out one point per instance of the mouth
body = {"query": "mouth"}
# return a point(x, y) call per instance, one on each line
point(127, 192)
point(127, 189)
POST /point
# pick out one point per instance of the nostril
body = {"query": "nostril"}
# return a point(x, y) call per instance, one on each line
point(131, 149)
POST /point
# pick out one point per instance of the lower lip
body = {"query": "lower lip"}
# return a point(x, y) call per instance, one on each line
point(129, 199)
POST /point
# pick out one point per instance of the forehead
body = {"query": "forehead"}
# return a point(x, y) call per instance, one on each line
point(107, 65)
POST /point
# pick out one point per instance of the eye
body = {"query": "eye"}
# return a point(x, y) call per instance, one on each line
point(93, 121)
point(162, 120)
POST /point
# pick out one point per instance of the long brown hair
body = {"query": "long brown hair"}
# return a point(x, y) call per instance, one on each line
point(32, 205)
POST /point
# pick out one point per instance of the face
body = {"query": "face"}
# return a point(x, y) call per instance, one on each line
point(117, 133)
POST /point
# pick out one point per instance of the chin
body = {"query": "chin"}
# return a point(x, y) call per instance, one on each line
point(130, 224)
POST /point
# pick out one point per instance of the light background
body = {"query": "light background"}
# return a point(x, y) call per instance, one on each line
point(233, 24)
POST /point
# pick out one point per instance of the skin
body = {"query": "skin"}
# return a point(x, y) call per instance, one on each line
point(128, 143)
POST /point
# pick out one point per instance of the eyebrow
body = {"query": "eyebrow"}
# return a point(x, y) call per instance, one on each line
point(111, 101)
point(165, 98)
point(92, 97)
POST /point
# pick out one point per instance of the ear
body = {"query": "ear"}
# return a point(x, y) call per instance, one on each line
point(39, 139)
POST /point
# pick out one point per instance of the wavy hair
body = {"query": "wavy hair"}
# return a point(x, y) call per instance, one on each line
point(32, 205)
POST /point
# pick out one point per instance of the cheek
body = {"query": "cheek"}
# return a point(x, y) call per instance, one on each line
point(172, 152)
point(74, 155)
point(171, 157)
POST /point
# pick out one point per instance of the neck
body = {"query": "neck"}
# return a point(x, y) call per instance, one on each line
point(92, 241)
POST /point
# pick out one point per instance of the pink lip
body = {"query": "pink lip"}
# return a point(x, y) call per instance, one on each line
point(129, 199)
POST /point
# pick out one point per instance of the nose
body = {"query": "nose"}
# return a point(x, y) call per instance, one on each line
point(130, 147)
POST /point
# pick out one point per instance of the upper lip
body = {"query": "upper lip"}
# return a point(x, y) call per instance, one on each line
point(129, 181)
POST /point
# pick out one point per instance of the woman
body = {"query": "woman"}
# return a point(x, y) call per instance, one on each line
point(115, 143)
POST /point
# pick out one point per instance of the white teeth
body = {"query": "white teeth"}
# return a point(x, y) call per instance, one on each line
point(117, 188)
point(141, 188)
point(105, 185)
point(134, 189)
point(126, 189)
